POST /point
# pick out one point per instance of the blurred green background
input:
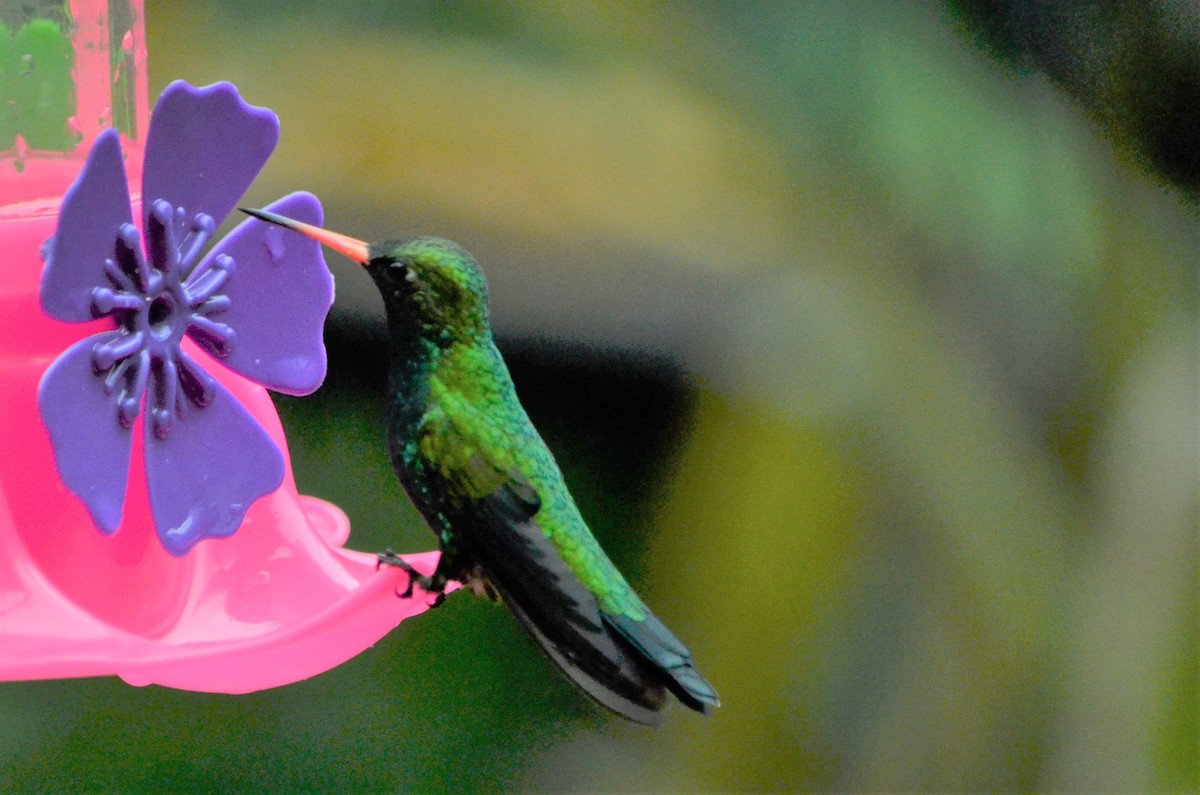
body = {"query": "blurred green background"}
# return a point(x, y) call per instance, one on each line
point(866, 334)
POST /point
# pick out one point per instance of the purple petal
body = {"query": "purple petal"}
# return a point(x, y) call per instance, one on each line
point(204, 148)
point(278, 299)
point(92, 212)
point(91, 446)
point(203, 477)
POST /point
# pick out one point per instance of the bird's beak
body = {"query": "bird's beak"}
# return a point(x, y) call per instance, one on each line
point(356, 250)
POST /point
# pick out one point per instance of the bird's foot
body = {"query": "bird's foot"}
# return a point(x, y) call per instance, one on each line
point(434, 584)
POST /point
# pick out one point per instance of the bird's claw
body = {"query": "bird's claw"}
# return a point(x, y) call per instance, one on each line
point(390, 558)
point(430, 584)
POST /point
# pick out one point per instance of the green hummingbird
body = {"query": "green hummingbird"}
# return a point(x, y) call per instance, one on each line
point(489, 488)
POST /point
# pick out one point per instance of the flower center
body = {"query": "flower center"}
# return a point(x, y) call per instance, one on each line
point(161, 316)
point(156, 300)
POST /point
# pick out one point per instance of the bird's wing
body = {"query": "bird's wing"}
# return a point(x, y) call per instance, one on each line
point(552, 604)
point(493, 511)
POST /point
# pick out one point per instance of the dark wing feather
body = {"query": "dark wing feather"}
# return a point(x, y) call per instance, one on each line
point(660, 646)
point(555, 608)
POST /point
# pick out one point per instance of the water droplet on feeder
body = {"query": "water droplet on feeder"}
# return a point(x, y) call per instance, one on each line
point(127, 42)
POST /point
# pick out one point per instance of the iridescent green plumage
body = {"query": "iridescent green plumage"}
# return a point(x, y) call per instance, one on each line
point(474, 465)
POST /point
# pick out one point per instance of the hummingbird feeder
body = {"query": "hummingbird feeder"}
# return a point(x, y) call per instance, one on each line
point(150, 525)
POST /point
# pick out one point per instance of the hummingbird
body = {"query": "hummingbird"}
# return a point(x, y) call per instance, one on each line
point(479, 473)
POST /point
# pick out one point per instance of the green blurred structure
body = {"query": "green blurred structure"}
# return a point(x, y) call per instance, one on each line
point(867, 336)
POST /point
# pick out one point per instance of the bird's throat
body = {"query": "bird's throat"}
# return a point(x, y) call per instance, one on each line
point(413, 360)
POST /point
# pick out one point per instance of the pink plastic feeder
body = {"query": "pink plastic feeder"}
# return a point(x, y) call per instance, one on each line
point(156, 585)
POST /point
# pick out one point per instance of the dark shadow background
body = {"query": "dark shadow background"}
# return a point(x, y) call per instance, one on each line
point(866, 336)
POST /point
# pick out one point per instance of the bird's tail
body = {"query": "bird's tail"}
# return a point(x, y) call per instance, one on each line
point(620, 681)
point(627, 665)
point(659, 646)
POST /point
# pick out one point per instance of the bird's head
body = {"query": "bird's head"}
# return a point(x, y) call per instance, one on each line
point(428, 281)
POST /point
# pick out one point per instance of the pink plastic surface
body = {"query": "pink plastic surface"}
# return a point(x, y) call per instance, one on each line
point(279, 601)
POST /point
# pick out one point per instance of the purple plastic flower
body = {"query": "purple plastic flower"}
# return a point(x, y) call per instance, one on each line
point(256, 302)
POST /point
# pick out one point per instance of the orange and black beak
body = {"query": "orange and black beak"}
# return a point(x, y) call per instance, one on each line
point(356, 250)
